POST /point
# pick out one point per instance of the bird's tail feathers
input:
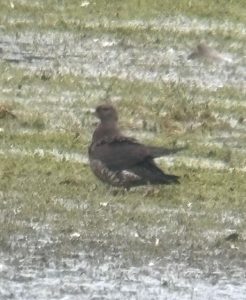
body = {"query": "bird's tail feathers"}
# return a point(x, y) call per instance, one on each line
point(159, 151)
point(170, 179)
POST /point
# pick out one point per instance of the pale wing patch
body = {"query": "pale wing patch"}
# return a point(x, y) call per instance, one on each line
point(128, 175)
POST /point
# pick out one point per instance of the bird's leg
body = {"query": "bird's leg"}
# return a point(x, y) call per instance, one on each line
point(151, 190)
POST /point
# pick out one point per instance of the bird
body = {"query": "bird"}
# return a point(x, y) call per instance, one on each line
point(122, 161)
point(5, 112)
point(204, 51)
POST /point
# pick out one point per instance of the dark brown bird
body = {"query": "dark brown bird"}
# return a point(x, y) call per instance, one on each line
point(123, 161)
point(5, 112)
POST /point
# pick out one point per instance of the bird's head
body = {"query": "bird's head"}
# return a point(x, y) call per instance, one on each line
point(106, 113)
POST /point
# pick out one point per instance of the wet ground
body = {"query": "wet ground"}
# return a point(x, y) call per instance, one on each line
point(63, 234)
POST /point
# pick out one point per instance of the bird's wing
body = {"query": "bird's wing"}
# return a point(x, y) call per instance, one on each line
point(119, 153)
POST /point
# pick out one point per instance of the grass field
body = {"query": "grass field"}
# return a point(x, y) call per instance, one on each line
point(64, 234)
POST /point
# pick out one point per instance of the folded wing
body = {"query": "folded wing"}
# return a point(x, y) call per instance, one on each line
point(121, 153)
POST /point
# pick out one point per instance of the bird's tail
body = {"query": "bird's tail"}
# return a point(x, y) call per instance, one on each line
point(152, 174)
point(170, 179)
point(159, 151)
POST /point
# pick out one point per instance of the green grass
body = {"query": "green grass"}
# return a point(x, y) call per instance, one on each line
point(59, 12)
point(45, 194)
point(66, 196)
